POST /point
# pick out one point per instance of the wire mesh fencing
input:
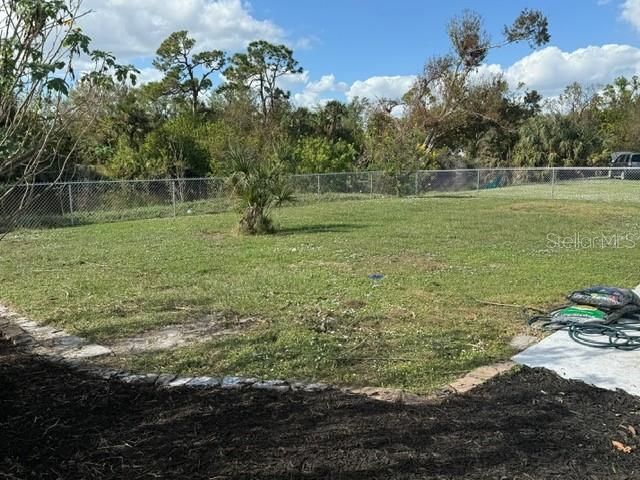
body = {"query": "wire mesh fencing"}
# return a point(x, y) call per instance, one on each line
point(590, 184)
point(76, 203)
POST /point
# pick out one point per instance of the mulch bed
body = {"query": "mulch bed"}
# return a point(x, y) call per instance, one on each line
point(57, 423)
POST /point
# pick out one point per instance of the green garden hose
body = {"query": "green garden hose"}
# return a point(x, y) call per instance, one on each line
point(623, 334)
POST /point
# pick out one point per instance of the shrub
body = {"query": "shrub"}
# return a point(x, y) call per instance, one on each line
point(258, 186)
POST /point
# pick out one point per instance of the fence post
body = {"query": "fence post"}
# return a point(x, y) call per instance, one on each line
point(70, 203)
point(371, 183)
point(173, 196)
point(553, 182)
point(416, 188)
point(478, 184)
point(318, 179)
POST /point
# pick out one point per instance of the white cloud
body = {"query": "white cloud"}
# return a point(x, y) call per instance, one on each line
point(291, 80)
point(550, 70)
point(148, 75)
point(486, 72)
point(631, 12)
point(313, 93)
point(135, 28)
point(306, 43)
point(373, 88)
point(327, 83)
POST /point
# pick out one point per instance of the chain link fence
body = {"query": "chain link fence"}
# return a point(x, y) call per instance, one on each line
point(76, 203)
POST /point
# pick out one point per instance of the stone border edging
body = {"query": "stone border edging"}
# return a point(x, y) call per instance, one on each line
point(60, 347)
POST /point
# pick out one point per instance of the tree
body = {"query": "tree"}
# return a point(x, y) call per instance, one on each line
point(300, 122)
point(485, 131)
point(119, 113)
point(258, 186)
point(620, 112)
point(443, 91)
point(186, 75)
point(555, 140)
point(392, 143)
point(39, 43)
point(331, 119)
point(258, 70)
point(175, 149)
point(321, 155)
point(237, 110)
point(532, 102)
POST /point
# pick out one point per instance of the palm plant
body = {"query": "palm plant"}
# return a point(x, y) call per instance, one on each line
point(258, 186)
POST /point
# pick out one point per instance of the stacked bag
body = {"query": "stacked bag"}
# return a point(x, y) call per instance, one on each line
point(598, 311)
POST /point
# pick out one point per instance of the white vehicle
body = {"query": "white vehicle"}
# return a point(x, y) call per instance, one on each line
point(625, 160)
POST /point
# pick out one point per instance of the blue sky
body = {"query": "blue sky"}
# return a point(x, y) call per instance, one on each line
point(356, 39)
point(373, 48)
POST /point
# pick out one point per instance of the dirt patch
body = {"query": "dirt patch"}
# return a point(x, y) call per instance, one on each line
point(343, 267)
point(172, 336)
point(563, 208)
point(354, 304)
point(422, 263)
point(57, 423)
point(213, 236)
point(400, 313)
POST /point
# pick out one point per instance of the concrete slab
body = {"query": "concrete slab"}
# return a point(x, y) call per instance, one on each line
point(605, 368)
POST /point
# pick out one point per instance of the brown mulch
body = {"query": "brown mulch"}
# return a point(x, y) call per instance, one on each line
point(59, 424)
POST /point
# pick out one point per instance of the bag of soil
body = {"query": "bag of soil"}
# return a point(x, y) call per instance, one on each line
point(578, 313)
point(608, 298)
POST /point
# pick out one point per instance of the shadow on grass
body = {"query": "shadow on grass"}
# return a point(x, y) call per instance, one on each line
point(321, 228)
point(449, 196)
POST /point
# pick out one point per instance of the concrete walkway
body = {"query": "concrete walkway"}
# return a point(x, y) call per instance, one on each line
point(605, 368)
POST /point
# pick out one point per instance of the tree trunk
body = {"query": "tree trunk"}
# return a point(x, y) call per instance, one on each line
point(255, 221)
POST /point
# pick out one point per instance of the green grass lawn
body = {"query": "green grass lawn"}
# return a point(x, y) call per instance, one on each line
point(320, 317)
point(596, 189)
